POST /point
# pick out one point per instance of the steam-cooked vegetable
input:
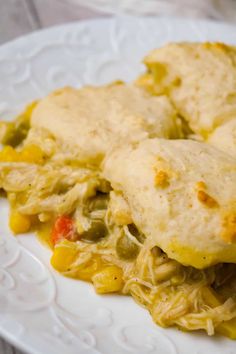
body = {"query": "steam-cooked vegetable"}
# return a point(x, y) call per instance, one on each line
point(64, 255)
point(125, 248)
point(108, 280)
point(19, 223)
point(63, 229)
point(96, 231)
point(13, 133)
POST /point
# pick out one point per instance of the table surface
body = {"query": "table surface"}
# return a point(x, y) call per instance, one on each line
point(19, 17)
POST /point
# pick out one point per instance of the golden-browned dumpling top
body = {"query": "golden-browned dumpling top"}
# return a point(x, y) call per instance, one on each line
point(200, 79)
point(181, 195)
point(94, 119)
point(224, 138)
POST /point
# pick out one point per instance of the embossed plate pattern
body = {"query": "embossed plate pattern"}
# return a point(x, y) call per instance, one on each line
point(40, 311)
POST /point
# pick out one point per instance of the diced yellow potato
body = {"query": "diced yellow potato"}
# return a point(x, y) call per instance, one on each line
point(210, 297)
point(9, 154)
point(87, 271)
point(64, 255)
point(108, 280)
point(227, 328)
point(19, 223)
point(32, 154)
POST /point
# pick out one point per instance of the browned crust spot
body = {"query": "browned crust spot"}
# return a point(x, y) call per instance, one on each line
point(201, 185)
point(216, 45)
point(161, 179)
point(229, 228)
point(206, 199)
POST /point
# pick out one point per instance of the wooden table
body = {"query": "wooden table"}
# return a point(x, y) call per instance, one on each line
point(19, 17)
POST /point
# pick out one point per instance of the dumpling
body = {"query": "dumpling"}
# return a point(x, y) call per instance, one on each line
point(93, 119)
point(182, 197)
point(224, 138)
point(200, 79)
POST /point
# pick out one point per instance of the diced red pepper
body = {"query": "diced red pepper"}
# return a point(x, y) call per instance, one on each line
point(63, 228)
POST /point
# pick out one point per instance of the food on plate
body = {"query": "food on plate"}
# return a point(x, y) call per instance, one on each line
point(112, 180)
point(199, 78)
point(181, 197)
point(50, 161)
point(171, 183)
point(224, 137)
point(93, 119)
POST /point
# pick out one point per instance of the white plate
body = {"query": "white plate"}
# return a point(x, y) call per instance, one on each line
point(40, 311)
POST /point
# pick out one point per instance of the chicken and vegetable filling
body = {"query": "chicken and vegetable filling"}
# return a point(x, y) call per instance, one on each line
point(93, 236)
point(90, 229)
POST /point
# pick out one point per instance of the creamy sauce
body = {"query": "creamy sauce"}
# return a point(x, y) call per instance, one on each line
point(44, 234)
